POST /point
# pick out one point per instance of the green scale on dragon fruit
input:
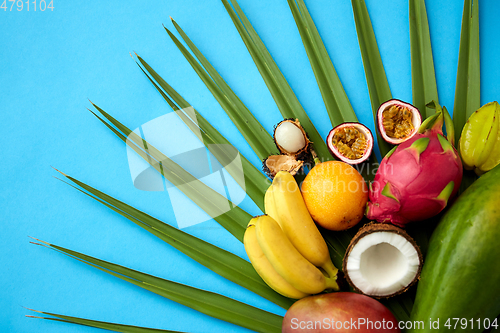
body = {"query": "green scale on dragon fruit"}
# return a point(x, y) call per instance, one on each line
point(416, 179)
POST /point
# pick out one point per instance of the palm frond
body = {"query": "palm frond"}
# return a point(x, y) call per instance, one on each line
point(98, 324)
point(209, 303)
point(255, 182)
point(234, 220)
point(376, 79)
point(337, 103)
point(221, 262)
point(424, 88)
point(257, 137)
point(283, 95)
point(467, 89)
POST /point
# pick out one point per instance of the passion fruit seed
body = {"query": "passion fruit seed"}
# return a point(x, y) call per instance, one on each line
point(350, 142)
point(397, 121)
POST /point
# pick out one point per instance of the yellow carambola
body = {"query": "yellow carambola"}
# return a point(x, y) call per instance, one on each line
point(480, 140)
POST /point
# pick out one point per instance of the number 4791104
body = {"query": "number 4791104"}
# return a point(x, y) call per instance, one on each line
point(20, 5)
point(463, 323)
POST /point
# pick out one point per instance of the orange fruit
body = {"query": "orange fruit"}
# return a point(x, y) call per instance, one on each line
point(335, 195)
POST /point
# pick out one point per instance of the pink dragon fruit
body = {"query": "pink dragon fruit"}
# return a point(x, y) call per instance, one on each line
point(417, 178)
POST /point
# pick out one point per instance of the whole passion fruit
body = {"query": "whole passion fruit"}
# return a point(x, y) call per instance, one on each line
point(350, 142)
point(398, 121)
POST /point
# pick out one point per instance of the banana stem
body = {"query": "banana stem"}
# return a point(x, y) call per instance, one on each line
point(330, 269)
point(331, 283)
point(332, 272)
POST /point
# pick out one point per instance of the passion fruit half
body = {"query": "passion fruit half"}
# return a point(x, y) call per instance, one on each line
point(398, 121)
point(350, 142)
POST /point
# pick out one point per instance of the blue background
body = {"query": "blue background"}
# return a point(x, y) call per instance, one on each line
point(53, 61)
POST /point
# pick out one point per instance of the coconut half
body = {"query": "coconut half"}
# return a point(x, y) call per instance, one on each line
point(382, 260)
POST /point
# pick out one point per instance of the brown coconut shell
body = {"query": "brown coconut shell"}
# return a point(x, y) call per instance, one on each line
point(373, 227)
point(275, 163)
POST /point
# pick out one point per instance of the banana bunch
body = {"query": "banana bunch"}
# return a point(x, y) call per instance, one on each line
point(285, 247)
point(480, 139)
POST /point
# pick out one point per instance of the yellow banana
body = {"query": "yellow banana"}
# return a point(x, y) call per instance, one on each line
point(287, 261)
point(297, 223)
point(270, 206)
point(264, 267)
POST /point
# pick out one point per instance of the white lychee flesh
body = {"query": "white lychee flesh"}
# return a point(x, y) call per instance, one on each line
point(382, 263)
point(289, 137)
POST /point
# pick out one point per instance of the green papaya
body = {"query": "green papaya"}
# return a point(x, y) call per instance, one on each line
point(461, 273)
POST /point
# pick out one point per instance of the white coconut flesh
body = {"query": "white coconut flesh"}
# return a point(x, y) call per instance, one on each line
point(382, 263)
point(289, 137)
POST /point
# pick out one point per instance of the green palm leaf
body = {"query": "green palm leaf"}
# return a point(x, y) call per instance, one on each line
point(378, 86)
point(424, 86)
point(283, 95)
point(98, 324)
point(209, 303)
point(234, 220)
point(255, 134)
point(221, 262)
point(467, 90)
point(336, 101)
point(255, 183)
